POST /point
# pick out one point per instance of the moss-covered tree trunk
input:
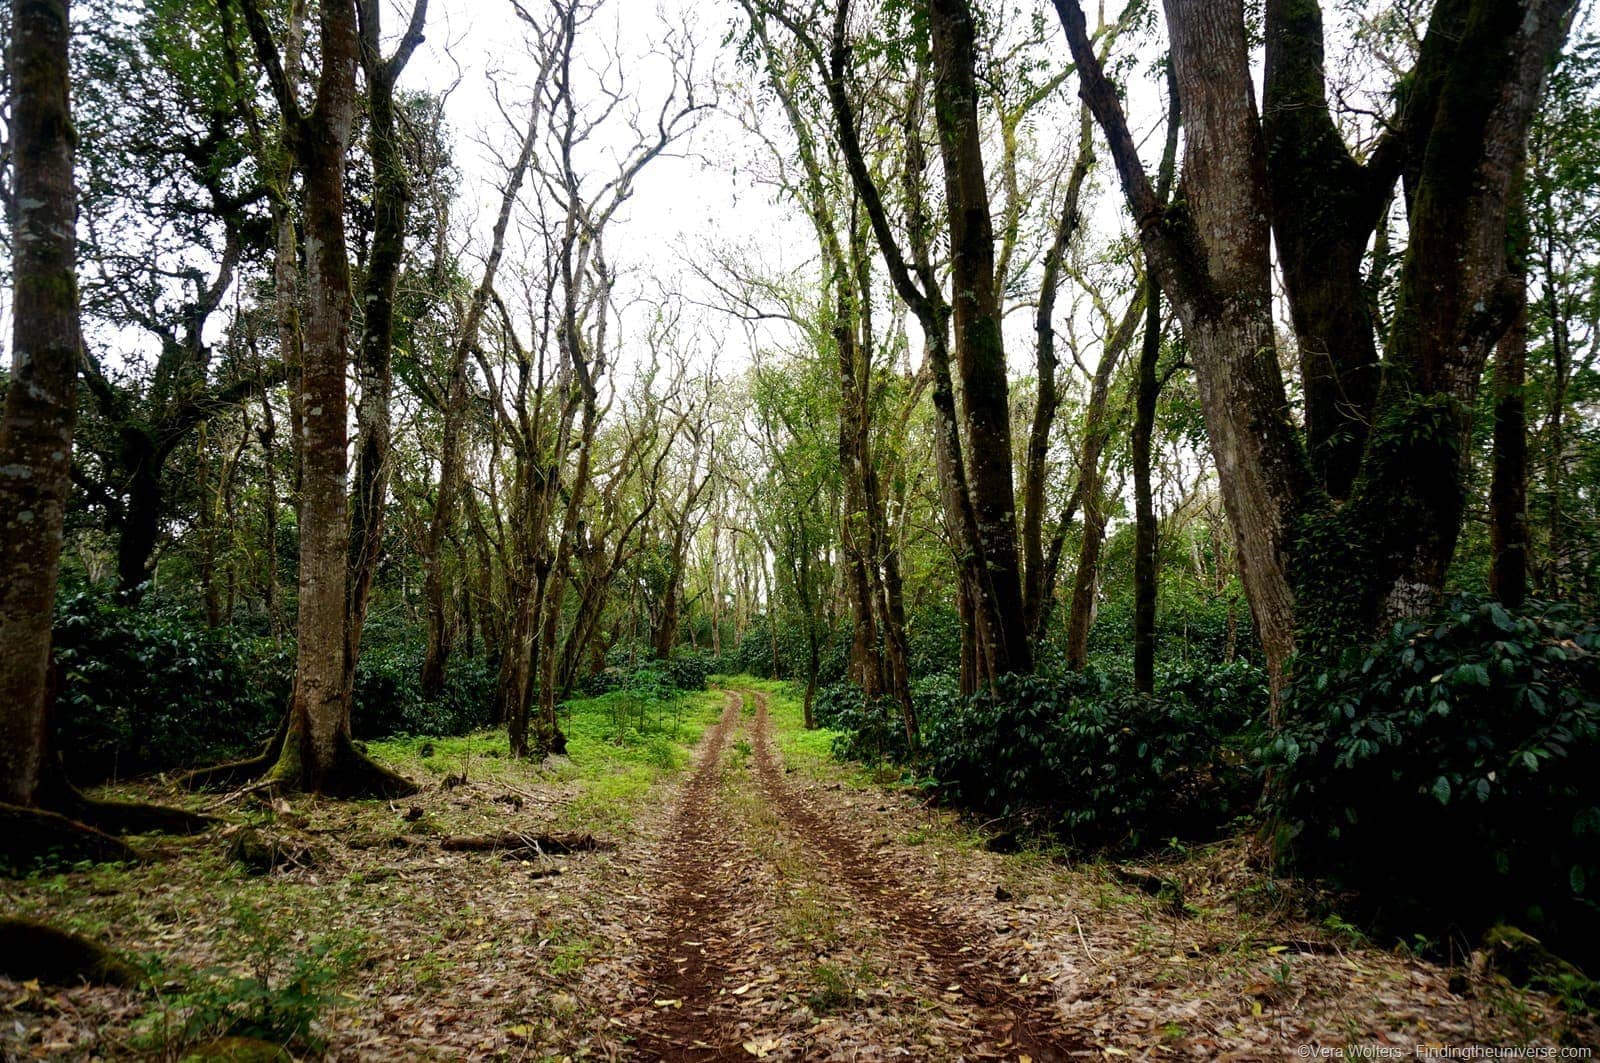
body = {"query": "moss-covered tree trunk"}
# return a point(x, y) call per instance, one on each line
point(318, 714)
point(40, 405)
point(980, 357)
point(40, 812)
point(390, 201)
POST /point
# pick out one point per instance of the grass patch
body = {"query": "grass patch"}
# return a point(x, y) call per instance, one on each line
point(619, 745)
point(481, 755)
point(800, 748)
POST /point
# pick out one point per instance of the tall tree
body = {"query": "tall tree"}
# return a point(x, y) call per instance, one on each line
point(41, 395)
point(980, 355)
point(976, 488)
point(1319, 571)
point(391, 195)
point(36, 452)
point(316, 751)
point(1147, 391)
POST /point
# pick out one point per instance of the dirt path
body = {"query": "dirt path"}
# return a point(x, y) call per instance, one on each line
point(690, 965)
point(952, 952)
point(720, 884)
point(758, 906)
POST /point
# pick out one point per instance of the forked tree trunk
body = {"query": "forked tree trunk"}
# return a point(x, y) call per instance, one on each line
point(390, 199)
point(1337, 574)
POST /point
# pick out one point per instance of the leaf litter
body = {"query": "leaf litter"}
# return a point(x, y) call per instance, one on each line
point(744, 911)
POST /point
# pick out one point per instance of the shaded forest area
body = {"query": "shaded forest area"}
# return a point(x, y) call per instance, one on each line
point(1086, 540)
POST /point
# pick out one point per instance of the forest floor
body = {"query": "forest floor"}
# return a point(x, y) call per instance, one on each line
point(748, 898)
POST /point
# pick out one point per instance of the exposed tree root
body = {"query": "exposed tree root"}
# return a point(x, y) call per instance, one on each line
point(32, 834)
point(31, 950)
point(282, 767)
point(235, 773)
point(125, 817)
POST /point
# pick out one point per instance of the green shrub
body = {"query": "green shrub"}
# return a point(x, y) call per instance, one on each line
point(869, 731)
point(1110, 768)
point(387, 699)
point(1448, 773)
point(145, 688)
point(687, 670)
point(636, 670)
point(277, 998)
point(148, 687)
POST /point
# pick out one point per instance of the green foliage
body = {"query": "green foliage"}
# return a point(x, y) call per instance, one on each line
point(869, 731)
point(1447, 773)
point(1111, 767)
point(276, 997)
point(387, 699)
point(687, 670)
point(147, 688)
point(634, 670)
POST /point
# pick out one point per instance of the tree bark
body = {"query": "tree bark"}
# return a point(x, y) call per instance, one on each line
point(317, 754)
point(391, 197)
point(979, 349)
point(1337, 574)
point(1508, 488)
point(1148, 385)
point(1324, 208)
point(41, 399)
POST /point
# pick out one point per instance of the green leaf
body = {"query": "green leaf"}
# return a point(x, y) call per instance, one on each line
point(1441, 790)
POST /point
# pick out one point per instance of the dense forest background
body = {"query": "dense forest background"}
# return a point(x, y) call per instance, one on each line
point(1122, 460)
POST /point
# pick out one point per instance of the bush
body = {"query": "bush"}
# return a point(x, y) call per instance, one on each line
point(1448, 772)
point(687, 670)
point(387, 699)
point(146, 688)
point(869, 731)
point(637, 671)
point(1112, 768)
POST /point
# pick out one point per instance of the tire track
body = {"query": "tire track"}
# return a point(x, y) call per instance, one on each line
point(690, 965)
point(1026, 1024)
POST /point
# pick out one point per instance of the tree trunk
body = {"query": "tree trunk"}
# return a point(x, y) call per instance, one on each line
point(979, 349)
point(1148, 391)
point(391, 196)
point(1144, 545)
point(41, 401)
point(1086, 577)
point(141, 519)
point(319, 717)
point(317, 754)
point(1324, 208)
point(1508, 488)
